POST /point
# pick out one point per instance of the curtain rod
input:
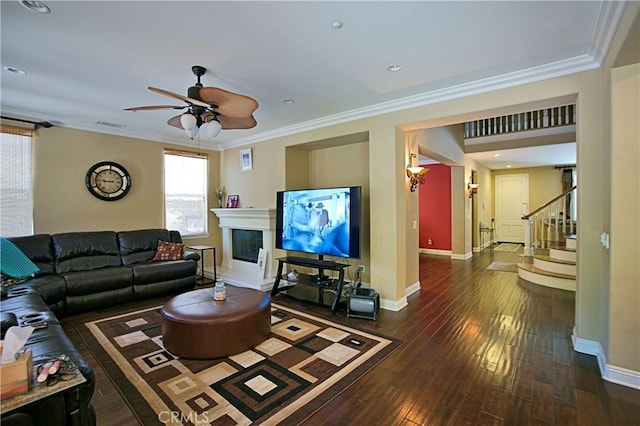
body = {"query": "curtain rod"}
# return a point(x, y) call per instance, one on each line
point(44, 124)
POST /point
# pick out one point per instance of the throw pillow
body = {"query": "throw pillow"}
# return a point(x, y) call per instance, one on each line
point(14, 263)
point(168, 251)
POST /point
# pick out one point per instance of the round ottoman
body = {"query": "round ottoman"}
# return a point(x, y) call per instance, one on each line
point(196, 326)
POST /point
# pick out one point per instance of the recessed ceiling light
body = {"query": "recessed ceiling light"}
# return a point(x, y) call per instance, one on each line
point(508, 166)
point(14, 70)
point(394, 67)
point(288, 101)
point(36, 6)
point(496, 155)
point(336, 25)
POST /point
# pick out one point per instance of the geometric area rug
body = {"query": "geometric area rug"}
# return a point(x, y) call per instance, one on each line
point(305, 362)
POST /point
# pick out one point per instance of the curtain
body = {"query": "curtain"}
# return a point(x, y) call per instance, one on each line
point(567, 184)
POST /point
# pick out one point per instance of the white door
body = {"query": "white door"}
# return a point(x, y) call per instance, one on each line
point(512, 202)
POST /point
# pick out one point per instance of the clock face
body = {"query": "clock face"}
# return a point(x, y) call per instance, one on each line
point(108, 181)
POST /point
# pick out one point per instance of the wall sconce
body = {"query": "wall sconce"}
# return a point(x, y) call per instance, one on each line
point(415, 173)
point(472, 187)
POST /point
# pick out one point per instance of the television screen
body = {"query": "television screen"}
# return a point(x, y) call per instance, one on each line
point(322, 221)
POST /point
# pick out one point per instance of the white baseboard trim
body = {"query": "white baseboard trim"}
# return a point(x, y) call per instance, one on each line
point(393, 305)
point(610, 373)
point(434, 252)
point(465, 256)
point(413, 288)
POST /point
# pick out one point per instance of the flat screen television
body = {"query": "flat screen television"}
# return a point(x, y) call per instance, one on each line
point(323, 221)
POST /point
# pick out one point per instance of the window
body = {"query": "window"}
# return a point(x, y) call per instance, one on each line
point(185, 193)
point(16, 188)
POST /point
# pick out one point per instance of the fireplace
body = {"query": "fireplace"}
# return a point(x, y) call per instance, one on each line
point(244, 232)
point(246, 244)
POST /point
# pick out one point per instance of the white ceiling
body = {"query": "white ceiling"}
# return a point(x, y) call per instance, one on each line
point(87, 60)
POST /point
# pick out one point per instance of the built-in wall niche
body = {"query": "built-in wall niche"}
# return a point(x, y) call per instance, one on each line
point(246, 244)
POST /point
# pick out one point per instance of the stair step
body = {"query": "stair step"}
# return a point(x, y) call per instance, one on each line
point(547, 263)
point(563, 255)
point(532, 274)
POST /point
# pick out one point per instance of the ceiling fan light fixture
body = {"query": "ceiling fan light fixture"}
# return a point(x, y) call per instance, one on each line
point(192, 133)
point(214, 128)
point(189, 122)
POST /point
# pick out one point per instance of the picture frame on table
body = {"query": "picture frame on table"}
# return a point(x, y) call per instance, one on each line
point(246, 160)
point(232, 201)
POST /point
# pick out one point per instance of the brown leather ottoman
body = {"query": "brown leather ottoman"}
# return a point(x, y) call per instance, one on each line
point(196, 326)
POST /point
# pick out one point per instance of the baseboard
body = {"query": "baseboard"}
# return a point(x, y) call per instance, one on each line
point(413, 288)
point(610, 373)
point(436, 252)
point(393, 305)
point(465, 256)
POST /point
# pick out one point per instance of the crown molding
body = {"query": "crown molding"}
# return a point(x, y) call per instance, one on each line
point(544, 72)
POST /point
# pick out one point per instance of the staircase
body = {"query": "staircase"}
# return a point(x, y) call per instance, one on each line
point(554, 267)
point(550, 245)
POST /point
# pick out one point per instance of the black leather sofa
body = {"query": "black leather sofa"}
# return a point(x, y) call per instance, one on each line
point(80, 272)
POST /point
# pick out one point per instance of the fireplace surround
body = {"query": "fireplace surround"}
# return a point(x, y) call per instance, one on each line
point(245, 272)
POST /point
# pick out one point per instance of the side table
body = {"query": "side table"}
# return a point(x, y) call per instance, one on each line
point(201, 280)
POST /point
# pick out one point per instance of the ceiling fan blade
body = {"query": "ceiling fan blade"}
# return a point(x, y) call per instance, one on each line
point(177, 96)
point(237, 122)
point(148, 108)
point(175, 122)
point(229, 104)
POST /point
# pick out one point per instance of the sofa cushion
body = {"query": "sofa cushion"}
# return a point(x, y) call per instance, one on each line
point(52, 288)
point(85, 251)
point(13, 262)
point(163, 271)
point(39, 249)
point(98, 280)
point(140, 246)
point(168, 251)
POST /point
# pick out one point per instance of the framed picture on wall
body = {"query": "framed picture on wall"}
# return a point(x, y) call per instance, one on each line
point(246, 161)
point(232, 201)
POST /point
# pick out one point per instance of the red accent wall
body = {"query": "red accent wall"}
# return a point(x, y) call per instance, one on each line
point(435, 208)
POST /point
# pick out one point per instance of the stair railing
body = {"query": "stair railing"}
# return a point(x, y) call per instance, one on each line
point(550, 222)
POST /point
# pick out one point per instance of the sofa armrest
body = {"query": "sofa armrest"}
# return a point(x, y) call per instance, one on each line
point(190, 255)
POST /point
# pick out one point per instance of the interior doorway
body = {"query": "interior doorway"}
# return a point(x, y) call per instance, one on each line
point(512, 202)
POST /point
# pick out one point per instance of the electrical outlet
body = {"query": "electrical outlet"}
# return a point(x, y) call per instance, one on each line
point(360, 268)
point(429, 241)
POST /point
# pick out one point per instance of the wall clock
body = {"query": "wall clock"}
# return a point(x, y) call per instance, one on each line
point(108, 181)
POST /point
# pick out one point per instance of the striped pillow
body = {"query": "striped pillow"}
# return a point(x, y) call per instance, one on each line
point(14, 263)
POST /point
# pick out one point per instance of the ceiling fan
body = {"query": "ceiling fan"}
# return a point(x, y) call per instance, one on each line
point(212, 107)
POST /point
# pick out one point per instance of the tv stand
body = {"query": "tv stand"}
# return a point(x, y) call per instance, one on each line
point(317, 280)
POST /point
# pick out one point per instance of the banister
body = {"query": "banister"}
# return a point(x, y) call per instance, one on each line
point(548, 203)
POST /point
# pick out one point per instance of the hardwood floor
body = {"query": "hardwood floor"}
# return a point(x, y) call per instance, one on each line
point(480, 348)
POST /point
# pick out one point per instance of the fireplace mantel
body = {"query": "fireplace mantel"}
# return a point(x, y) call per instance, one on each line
point(243, 273)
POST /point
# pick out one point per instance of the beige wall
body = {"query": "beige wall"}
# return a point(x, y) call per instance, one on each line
point(62, 202)
point(624, 269)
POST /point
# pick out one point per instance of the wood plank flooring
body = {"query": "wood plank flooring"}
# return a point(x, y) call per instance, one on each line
point(480, 347)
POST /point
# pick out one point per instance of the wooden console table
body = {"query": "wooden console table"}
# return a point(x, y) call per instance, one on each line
point(309, 281)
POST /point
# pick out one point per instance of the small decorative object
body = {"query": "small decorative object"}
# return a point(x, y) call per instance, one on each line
point(262, 260)
point(108, 181)
point(246, 161)
point(219, 291)
point(232, 201)
point(293, 275)
point(220, 195)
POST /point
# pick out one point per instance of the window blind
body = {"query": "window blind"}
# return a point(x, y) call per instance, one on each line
point(16, 186)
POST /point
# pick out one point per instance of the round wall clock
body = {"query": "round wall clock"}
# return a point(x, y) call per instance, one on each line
point(108, 181)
